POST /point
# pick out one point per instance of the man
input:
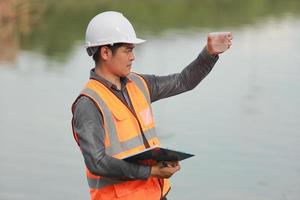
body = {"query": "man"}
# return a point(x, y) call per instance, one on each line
point(112, 116)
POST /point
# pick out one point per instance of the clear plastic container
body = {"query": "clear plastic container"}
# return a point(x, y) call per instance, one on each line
point(220, 41)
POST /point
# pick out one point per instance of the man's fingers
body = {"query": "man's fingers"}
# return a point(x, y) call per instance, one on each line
point(229, 44)
point(176, 168)
point(172, 163)
point(218, 43)
point(230, 36)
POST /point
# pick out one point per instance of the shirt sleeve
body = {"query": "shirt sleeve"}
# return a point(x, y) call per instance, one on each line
point(88, 124)
point(165, 86)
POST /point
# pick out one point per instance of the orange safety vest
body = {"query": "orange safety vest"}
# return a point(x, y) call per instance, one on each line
point(123, 137)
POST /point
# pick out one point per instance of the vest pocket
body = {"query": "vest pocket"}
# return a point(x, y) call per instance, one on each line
point(125, 126)
point(146, 189)
point(119, 115)
point(128, 187)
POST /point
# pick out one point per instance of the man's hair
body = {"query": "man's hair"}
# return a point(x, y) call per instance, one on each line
point(113, 48)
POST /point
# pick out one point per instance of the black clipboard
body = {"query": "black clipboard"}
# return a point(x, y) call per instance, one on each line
point(156, 154)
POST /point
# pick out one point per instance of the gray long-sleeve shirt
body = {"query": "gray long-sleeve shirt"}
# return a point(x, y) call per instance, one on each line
point(88, 121)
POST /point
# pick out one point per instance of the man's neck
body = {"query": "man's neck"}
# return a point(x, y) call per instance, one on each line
point(101, 71)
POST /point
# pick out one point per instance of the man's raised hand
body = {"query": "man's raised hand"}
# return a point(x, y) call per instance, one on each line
point(218, 42)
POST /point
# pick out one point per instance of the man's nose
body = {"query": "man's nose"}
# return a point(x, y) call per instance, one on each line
point(132, 57)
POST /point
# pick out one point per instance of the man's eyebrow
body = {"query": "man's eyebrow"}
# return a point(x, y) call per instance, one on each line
point(131, 47)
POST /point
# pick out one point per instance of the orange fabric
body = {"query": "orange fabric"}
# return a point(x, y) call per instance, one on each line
point(127, 127)
point(131, 190)
point(153, 142)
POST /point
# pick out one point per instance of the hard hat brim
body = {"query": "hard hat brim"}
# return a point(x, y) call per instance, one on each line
point(91, 49)
point(111, 42)
point(138, 41)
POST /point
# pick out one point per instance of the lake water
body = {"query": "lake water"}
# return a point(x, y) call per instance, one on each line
point(242, 122)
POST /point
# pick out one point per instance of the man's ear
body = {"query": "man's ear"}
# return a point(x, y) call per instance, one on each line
point(105, 53)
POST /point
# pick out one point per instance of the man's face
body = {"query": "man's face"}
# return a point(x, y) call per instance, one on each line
point(120, 63)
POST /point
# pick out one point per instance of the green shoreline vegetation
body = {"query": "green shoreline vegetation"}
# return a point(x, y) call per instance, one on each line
point(62, 24)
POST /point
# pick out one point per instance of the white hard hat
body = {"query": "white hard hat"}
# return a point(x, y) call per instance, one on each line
point(108, 28)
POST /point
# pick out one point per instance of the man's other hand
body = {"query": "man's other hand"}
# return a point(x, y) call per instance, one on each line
point(165, 170)
point(218, 42)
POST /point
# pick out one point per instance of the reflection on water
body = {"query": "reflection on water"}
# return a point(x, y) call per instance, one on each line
point(54, 27)
point(17, 19)
point(242, 122)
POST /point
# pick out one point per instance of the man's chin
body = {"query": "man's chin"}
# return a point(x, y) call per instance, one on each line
point(127, 72)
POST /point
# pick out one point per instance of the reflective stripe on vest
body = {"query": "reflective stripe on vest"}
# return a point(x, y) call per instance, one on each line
point(98, 183)
point(141, 86)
